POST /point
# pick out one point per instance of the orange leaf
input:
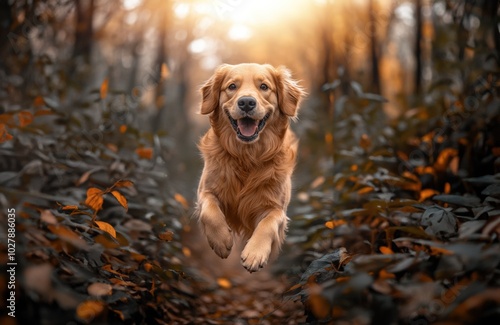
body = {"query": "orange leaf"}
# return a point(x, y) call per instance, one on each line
point(88, 310)
point(109, 269)
point(318, 182)
point(146, 153)
point(224, 283)
point(383, 274)
point(427, 193)
point(94, 198)
point(334, 223)
point(152, 290)
point(365, 190)
point(167, 236)
point(444, 159)
point(4, 135)
point(439, 251)
point(320, 307)
point(106, 227)
point(328, 138)
point(42, 112)
point(25, 118)
point(68, 235)
point(69, 207)
point(365, 141)
point(123, 128)
point(164, 71)
point(386, 250)
point(113, 147)
point(179, 198)
point(104, 88)
point(148, 266)
point(447, 188)
point(38, 101)
point(6, 119)
point(85, 176)
point(120, 198)
point(123, 183)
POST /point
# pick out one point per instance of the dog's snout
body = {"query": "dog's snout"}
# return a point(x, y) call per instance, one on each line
point(247, 103)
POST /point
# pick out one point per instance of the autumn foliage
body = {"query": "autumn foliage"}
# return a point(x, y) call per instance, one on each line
point(393, 220)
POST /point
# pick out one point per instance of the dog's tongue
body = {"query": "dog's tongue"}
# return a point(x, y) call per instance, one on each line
point(247, 126)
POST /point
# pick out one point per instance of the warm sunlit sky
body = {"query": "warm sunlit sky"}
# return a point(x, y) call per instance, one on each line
point(243, 15)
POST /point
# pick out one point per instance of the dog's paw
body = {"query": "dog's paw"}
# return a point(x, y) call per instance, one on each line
point(255, 255)
point(221, 240)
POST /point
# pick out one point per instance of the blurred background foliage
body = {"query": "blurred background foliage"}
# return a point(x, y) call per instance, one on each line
point(395, 216)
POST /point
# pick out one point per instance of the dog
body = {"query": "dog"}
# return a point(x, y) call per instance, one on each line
point(249, 155)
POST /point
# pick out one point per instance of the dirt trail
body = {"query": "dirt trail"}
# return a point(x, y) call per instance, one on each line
point(231, 295)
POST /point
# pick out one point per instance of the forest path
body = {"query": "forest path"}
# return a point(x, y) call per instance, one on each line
point(231, 295)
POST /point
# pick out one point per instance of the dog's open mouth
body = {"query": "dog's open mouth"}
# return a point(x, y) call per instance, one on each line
point(247, 129)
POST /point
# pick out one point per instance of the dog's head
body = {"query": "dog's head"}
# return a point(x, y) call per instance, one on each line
point(247, 97)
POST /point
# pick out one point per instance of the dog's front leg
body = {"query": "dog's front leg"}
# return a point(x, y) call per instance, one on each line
point(265, 242)
point(213, 223)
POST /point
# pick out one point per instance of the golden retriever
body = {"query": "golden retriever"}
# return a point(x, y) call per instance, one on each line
point(249, 155)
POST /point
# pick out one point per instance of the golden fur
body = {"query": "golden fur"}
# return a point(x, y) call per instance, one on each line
point(245, 185)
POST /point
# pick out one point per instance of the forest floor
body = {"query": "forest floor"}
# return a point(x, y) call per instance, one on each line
point(231, 295)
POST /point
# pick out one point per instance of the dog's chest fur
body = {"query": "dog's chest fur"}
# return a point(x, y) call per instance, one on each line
point(243, 183)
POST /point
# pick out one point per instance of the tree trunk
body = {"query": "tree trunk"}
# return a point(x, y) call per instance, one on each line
point(84, 31)
point(418, 47)
point(373, 49)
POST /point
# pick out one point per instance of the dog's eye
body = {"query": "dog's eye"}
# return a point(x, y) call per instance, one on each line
point(232, 87)
point(264, 87)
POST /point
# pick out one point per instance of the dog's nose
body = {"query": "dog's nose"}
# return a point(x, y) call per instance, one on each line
point(247, 103)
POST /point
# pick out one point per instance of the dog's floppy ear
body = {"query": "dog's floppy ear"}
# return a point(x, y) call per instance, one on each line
point(289, 92)
point(210, 91)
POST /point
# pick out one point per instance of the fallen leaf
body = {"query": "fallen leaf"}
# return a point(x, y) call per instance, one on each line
point(48, 217)
point(106, 227)
point(383, 274)
point(317, 182)
point(167, 236)
point(444, 159)
point(4, 135)
point(98, 289)
point(386, 250)
point(182, 200)
point(69, 207)
point(319, 305)
point(148, 266)
point(109, 269)
point(145, 153)
point(224, 283)
point(38, 101)
point(365, 141)
point(426, 194)
point(68, 235)
point(25, 118)
point(334, 223)
point(365, 190)
point(328, 138)
point(104, 88)
point(165, 72)
point(88, 310)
